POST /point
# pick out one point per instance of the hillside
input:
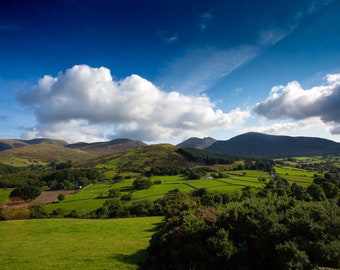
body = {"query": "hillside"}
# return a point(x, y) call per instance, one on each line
point(25, 152)
point(21, 152)
point(156, 157)
point(270, 146)
point(42, 152)
point(198, 143)
point(105, 148)
point(6, 144)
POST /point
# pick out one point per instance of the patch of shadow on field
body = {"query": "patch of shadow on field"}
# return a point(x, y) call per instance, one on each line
point(139, 258)
point(156, 227)
point(122, 189)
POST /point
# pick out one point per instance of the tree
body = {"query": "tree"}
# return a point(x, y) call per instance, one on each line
point(316, 192)
point(115, 208)
point(330, 189)
point(142, 183)
point(114, 192)
point(38, 210)
point(26, 193)
point(273, 232)
point(61, 197)
point(298, 191)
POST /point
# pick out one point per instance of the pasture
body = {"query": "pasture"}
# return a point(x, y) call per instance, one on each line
point(4, 194)
point(75, 243)
point(93, 196)
point(294, 175)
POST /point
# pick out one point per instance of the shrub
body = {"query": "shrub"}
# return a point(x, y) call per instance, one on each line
point(26, 192)
point(61, 197)
point(114, 192)
point(126, 197)
point(273, 232)
point(59, 212)
point(12, 213)
point(142, 183)
point(38, 210)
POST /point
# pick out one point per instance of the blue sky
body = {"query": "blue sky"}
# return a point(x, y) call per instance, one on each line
point(163, 71)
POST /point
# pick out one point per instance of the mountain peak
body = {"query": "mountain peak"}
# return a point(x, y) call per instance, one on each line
point(198, 143)
point(255, 144)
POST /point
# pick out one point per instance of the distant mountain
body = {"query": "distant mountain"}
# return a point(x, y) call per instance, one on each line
point(25, 152)
point(6, 144)
point(197, 143)
point(254, 144)
point(41, 152)
point(109, 147)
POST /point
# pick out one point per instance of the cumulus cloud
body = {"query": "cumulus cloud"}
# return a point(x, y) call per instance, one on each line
point(292, 101)
point(284, 127)
point(71, 131)
point(84, 102)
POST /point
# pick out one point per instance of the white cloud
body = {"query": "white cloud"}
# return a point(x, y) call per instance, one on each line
point(198, 70)
point(292, 101)
point(168, 38)
point(271, 36)
point(285, 127)
point(86, 104)
point(71, 131)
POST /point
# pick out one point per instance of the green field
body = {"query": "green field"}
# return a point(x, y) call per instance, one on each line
point(293, 175)
point(83, 207)
point(93, 196)
point(4, 194)
point(75, 243)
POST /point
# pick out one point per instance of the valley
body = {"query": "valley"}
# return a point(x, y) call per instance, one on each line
point(121, 196)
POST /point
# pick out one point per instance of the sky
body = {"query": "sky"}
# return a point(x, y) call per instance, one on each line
point(164, 71)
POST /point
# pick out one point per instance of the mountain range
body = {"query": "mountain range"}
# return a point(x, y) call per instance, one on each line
point(25, 152)
point(246, 145)
point(254, 144)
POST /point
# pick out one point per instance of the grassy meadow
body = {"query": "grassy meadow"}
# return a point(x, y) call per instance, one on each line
point(294, 175)
point(93, 196)
point(75, 243)
point(4, 194)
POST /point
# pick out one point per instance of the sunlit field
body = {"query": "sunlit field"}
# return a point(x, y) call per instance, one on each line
point(75, 243)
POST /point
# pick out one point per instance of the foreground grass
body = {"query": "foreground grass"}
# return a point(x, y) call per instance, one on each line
point(75, 243)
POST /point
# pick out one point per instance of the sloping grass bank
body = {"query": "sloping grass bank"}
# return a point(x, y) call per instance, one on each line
point(75, 243)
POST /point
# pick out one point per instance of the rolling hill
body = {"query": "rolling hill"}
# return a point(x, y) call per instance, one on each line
point(22, 152)
point(109, 147)
point(254, 144)
point(25, 152)
point(41, 153)
point(6, 144)
point(198, 143)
